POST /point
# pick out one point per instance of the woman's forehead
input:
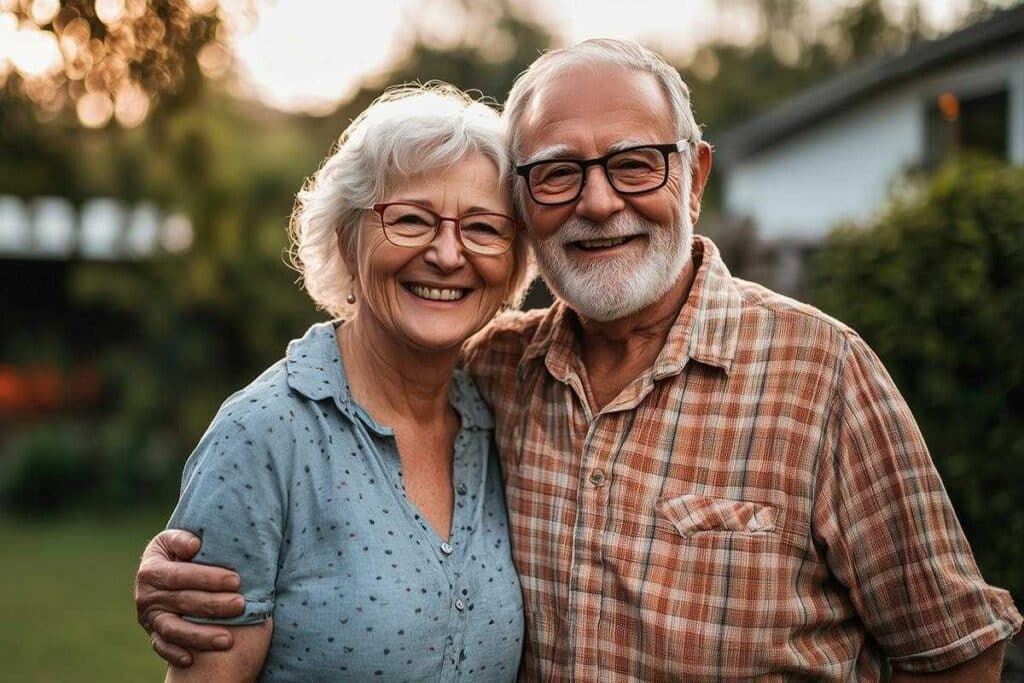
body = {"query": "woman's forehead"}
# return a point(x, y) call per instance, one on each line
point(473, 180)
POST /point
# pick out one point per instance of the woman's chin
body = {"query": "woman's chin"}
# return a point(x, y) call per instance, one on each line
point(436, 338)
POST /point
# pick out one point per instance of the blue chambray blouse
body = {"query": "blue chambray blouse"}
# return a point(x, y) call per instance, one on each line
point(298, 489)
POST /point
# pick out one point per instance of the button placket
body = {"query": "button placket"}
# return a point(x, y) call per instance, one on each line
point(587, 566)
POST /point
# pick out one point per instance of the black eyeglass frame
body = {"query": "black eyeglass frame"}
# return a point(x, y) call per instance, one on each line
point(381, 207)
point(666, 149)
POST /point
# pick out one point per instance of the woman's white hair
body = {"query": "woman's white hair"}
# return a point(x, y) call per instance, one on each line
point(593, 53)
point(408, 130)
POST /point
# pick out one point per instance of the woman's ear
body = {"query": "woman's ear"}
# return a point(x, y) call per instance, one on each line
point(347, 251)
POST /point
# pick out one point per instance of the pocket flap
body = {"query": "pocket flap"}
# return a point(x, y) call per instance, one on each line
point(691, 513)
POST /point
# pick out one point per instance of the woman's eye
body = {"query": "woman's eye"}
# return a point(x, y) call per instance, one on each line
point(481, 227)
point(412, 219)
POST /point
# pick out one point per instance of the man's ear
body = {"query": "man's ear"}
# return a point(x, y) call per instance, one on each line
point(699, 173)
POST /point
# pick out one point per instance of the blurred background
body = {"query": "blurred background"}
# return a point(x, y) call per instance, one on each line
point(869, 159)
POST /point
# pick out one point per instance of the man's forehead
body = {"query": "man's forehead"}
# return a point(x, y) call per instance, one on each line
point(583, 108)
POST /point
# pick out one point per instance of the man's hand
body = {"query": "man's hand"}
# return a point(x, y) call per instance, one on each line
point(168, 585)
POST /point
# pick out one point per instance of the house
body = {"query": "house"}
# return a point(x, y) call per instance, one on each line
point(833, 153)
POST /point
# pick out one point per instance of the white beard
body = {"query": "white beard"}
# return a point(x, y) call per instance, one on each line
point(617, 286)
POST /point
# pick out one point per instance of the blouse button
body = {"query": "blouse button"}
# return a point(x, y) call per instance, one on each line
point(461, 488)
point(459, 604)
point(446, 549)
point(597, 477)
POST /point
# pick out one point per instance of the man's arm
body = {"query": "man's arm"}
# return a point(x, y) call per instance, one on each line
point(240, 664)
point(168, 584)
point(985, 668)
point(890, 535)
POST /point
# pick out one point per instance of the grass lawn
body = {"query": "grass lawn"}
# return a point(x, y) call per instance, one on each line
point(66, 612)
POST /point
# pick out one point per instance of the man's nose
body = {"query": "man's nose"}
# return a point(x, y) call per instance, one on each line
point(598, 199)
point(445, 252)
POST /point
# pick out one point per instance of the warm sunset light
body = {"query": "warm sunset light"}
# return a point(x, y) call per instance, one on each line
point(342, 44)
point(511, 340)
point(309, 55)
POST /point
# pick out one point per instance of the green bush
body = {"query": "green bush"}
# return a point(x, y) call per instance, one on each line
point(936, 286)
point(47, 470)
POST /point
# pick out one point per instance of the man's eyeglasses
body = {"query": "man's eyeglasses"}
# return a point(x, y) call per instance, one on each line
point(412, 225)
point(635, 170)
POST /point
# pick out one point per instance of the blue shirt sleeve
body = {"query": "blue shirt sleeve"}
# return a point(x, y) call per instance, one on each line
point(232, 498)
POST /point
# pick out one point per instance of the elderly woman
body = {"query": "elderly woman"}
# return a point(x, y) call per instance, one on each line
point(354, 485)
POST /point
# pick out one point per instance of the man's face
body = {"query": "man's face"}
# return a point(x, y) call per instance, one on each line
point(607, 254)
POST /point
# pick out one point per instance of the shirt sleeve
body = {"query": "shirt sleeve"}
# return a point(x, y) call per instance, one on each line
point(493, 354)
point(232, 498)
point(890, 532)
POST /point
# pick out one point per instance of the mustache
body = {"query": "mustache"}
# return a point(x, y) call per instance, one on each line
point(578, 228)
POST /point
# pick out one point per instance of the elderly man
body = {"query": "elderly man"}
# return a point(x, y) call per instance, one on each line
point(706, 480)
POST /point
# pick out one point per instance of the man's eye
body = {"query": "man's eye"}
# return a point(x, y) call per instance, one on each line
point(558, 172)
point(632, 164)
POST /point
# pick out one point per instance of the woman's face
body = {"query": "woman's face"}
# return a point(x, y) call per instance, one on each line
point(436, 296)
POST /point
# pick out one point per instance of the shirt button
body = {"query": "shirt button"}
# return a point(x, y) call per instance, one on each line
point(446, 549)
point(459, 604)
point(597, 477)
point(461, 488)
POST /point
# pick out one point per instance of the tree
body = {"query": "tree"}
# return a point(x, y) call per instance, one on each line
point(107, 60)
point(936, 286)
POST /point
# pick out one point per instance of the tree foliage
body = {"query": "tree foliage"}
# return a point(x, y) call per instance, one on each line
point(936, 286)
point(107, 60)
point(179, 333)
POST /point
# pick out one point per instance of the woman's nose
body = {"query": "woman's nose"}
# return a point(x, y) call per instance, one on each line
point(445, 252)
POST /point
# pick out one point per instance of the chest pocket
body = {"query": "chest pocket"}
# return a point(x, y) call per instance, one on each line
point(693, 514)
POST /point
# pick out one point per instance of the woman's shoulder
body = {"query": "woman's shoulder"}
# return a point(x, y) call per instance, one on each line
point(307, 373)
point(264, 397)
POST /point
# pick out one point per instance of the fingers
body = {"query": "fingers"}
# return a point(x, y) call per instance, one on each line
point(171, 576)
point(198, 603)
point(179, 544)
point(175, 632)
point(171, 653)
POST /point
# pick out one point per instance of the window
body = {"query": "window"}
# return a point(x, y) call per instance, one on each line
point(968, 124)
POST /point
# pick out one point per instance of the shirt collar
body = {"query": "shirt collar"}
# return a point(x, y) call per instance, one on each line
point(315, 370)
point(706, 329)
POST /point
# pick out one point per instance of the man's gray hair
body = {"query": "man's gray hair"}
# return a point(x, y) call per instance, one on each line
point(407, 130)
point(602, 52)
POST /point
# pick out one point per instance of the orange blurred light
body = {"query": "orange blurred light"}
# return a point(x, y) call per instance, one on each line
point(949, 106)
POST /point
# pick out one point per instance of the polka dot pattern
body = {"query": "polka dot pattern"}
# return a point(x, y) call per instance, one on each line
point(296, 487)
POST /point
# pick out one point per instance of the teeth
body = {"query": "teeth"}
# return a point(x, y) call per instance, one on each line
point(437, 294)
point(600, 244)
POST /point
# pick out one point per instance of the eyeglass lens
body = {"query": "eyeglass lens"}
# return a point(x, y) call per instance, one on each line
point(630, 171)
point(408, 225)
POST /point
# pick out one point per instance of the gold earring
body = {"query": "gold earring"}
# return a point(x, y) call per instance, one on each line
point(351, 298)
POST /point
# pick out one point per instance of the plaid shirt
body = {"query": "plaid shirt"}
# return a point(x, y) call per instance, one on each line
point(759, 503)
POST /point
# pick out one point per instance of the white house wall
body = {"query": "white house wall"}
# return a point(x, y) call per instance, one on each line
point(843, 168)
point(839, 169)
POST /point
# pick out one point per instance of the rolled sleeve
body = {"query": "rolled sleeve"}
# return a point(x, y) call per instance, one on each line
point(891, 534)
point(231, 497)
